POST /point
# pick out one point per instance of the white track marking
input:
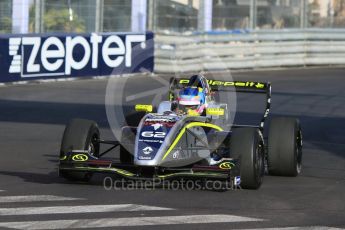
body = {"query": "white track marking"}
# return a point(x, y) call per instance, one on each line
point(34, 198)
point(78, 209)
point(121, 222)
point(2, 190)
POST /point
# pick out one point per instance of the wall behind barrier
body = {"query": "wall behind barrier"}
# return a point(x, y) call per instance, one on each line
point(50, 56)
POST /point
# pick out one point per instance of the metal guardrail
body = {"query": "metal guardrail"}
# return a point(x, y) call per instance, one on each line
point(249, 49)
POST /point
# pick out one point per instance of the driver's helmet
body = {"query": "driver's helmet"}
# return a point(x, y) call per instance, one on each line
point(191, 100)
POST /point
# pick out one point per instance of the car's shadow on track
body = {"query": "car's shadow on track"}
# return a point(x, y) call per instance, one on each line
point(325, 133)
point(50, 178)
point(117, 183)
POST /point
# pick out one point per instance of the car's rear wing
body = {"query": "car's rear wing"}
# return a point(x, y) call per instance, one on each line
point(228, 86)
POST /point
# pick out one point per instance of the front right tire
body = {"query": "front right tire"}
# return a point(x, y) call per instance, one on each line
point(247, 145)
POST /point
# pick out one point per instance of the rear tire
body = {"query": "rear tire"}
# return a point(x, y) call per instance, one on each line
point(247, 145)
point(79, 134)
point(284, 147)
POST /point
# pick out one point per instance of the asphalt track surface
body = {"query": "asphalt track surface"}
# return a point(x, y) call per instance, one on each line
point(32, 121)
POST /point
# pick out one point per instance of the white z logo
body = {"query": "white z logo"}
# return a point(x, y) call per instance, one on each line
point(153, 134)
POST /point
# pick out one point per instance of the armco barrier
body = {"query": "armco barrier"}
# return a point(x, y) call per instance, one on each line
point(249, 49)
point(50, 56)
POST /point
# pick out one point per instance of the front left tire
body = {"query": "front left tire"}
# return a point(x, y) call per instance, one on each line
point(79, 134)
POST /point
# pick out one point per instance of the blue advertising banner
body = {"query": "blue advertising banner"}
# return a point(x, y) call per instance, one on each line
point(50, 56)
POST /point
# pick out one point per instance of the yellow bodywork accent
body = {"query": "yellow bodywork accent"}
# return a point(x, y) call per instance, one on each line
point(215, 111)
point(80, 157)
point(192, 113)
point(202, 174)
point(63, 158)
point(226, 165)
point(119, 171)
point(144, 108)
point(171, 96)
point(250, 84)
point(124, 172)
point(192, 124)
point(184, 81)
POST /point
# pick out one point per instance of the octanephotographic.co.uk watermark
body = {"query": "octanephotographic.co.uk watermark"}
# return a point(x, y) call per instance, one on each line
point(183, 184)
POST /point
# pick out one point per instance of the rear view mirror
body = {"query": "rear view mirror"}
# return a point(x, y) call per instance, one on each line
point(144, 108)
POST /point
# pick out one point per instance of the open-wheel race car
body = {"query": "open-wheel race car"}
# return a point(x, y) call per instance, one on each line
point(189, 136)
